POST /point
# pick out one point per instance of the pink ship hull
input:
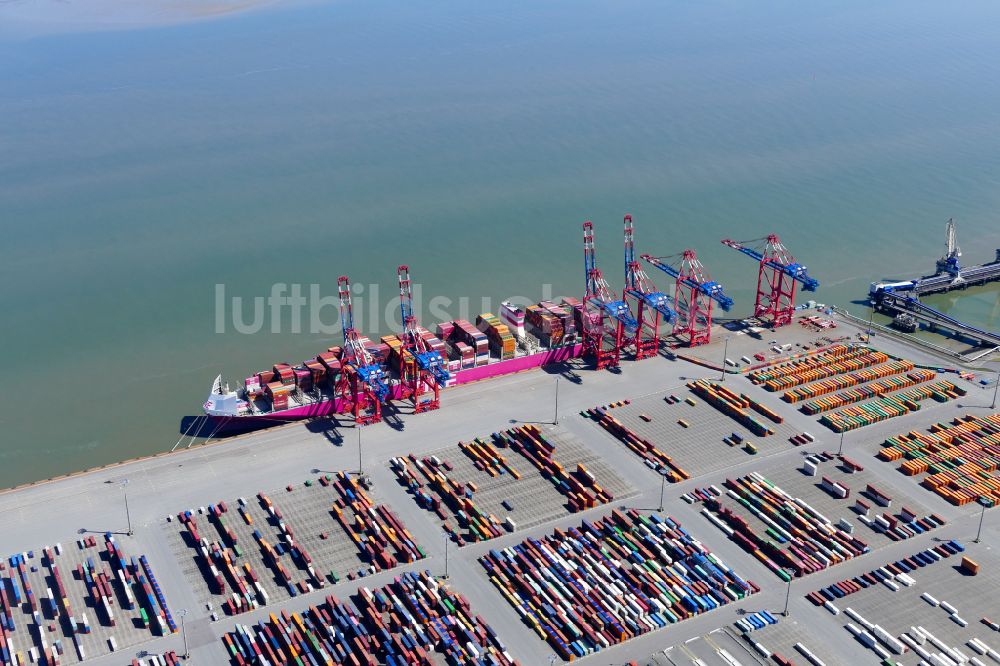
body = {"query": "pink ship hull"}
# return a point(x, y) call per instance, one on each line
point(337, 406)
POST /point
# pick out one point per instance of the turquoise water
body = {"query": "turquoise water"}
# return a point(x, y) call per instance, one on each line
point(140, 168)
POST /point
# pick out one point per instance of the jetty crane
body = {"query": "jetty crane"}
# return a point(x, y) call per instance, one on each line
point(777, 278)
point(695, 293)
point(421, 368)
point(607, 320)
point(364, 383)
point(652, 306)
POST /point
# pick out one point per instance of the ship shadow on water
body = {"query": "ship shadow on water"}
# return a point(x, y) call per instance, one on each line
point(193, 428)
point(199, 427)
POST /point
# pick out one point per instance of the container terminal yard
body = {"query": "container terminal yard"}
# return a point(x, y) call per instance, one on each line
point(783, 490)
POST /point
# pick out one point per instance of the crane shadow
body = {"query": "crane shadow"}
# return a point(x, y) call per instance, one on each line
point(329, 428)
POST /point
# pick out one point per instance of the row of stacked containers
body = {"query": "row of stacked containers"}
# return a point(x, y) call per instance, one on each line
point(796, 536)
point(868, 391)
point(890, 406)
point(404, 623)
point(380, 537)
point(168, 658)
point(839, 382)
point(501, 341)
point(735, 405)
point(887, 572)
point(578, 486)
point(652, 456)
point(603, 583)
point(553, 324)
point(433, 489)
point(960, 458)
point(836, 360)
point(140, 591)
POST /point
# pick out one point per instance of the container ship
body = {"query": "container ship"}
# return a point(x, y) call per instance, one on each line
point(515, 340)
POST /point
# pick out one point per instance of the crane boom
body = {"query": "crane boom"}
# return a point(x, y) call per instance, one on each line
point(952, 240)
point(777, 276)
point(949, 262)
point(638, 284)
point(652, 306)
point(598, 290)
point(709, 288)
point(354, 349)
point(790, 268)
point(606, 320)
point(694, 295)
point(427, 359)
point(366, 378)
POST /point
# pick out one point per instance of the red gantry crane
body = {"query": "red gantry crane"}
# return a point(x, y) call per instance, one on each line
point(776, 278)
point(607, 320)
point(363, 382)
point(652, 307)
point(421, 368)
point(694, 294)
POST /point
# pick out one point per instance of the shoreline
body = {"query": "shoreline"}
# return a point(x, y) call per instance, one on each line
point(909, 341)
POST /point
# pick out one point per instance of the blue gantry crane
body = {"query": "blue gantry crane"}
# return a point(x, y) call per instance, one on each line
point(607, 321)
point(421, 368)
point(694, 295)
point(364, 382)
point(652, 307)
point(777, 277)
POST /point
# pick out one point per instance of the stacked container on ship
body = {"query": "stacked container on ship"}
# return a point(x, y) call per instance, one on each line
point(512, 341)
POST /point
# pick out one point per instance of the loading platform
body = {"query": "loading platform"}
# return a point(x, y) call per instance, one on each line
point(902, 297)
point(950, 274)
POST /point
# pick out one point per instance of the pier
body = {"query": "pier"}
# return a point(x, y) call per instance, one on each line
point(949, 273)
point(891, 302)
point(902, 297)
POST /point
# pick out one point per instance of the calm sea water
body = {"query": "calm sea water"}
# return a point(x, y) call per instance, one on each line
point(140, 168)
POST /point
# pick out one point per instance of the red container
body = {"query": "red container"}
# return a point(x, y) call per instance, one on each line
point(304, 378)
point(445, 329)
